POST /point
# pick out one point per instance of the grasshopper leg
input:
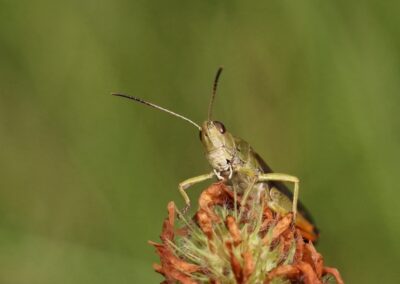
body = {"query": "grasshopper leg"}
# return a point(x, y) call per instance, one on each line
point(285, 178)
point(188, 183)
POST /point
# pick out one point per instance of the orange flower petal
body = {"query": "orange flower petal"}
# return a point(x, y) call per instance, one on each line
point(315, 259)
point(233, 230)
point(279, 228)
point(335, 273)
point(309, 275)
point(248, 266)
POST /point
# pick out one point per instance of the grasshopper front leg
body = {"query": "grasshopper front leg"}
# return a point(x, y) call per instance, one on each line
point(188, 183)
point(285, 178)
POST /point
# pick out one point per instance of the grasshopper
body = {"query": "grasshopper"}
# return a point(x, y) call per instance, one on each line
point(235, 162)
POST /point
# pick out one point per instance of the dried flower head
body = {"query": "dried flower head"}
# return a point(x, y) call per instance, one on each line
point(237, 239)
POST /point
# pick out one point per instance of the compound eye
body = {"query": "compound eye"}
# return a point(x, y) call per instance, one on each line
point(220, 127)
point(200, 135)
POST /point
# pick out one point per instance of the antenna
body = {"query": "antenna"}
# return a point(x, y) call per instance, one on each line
point(157, 107)
point(214, 92)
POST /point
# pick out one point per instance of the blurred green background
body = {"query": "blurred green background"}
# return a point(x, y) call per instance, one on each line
point(85, 177)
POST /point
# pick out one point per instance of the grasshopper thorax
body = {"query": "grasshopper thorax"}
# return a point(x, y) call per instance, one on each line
point(219, 146)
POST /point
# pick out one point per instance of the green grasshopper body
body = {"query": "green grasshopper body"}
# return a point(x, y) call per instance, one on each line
point(235, 162)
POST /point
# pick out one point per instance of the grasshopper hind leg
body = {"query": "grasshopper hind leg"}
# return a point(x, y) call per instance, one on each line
point(281, 203)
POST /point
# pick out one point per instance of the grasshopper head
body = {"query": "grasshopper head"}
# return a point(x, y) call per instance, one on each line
point(218, 144)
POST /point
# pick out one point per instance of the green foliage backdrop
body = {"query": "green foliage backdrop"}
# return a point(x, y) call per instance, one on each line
point(85, 177)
